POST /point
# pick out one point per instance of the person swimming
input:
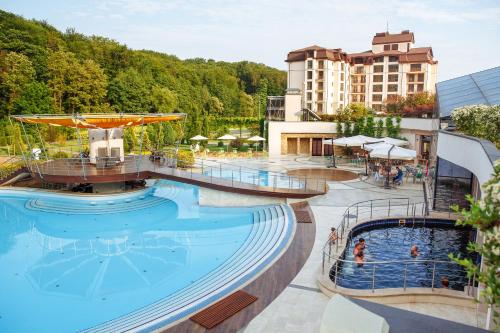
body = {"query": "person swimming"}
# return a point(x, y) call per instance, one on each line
point(414, 251)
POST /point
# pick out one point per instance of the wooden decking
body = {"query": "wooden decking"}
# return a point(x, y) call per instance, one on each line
point(266, 287)
point(67, 172)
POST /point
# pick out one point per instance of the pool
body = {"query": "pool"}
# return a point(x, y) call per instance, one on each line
point(256, 177)
point(388, 244)
point(131, 261)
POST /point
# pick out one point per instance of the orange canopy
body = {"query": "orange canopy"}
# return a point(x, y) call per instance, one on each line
point(109, 120)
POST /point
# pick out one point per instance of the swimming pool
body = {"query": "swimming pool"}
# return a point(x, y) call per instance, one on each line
point(132, 261)
point(256, 177)
point(387, 260)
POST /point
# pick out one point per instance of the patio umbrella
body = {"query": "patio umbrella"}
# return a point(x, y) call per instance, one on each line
point(352, 141)
point(343, 316)
point(227, 137)
point(390, 152)
point(256, 138)
point(396, 142)
point(198, 138)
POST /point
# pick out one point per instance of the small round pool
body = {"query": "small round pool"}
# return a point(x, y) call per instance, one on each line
point(388, 262)
point(322, 173)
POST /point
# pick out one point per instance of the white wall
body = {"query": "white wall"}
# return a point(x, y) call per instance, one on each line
point(278, 127)
point(467, 153)
point(101, 138)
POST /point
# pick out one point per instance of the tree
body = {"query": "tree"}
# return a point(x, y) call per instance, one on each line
point(35, 99)
point(359, 126)
point(58, 65)
point(340, 132)
point(484, 215)
point(389, 126)
point(129, 92)
point(163, 100)
point(246, 105)
point(369, 129)
point(17, 72)
point(379, 129)
point(347, 129)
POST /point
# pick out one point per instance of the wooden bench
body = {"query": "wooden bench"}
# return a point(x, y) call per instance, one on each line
point(223, 309)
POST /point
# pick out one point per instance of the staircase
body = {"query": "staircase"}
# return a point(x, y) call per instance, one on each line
point(11, 168)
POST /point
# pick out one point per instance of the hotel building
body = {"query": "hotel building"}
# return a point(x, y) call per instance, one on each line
point(329, 79)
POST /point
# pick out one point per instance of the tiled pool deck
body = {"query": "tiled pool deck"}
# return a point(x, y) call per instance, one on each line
point(300, 306)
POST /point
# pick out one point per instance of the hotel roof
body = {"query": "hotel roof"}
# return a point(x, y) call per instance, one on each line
point(477, 88)
point(386, 38)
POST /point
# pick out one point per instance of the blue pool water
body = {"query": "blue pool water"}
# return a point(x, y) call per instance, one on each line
point(71, 263)
point(387, 242)
point(256, 177)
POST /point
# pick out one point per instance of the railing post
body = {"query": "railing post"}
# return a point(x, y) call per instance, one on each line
point(373, 279)
point(389, 209)
point(202, 167)
point(336, 271)
point(371, 209)
point(323, 264)
point(407, 206)
point(357, 213)
point(211, 175)
point(220, 170)
point(433, 274)
point(348, 218)
point(240, 174)
point(404, 279)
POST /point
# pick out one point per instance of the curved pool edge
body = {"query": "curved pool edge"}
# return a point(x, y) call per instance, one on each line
point(166, 321)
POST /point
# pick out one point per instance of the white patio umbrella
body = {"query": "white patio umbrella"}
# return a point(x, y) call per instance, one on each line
point(352, 141)
point(344, 316)
point(396, 142)
point(256, 138)
point(198, 138)
point(227, 137)
point(390, 152)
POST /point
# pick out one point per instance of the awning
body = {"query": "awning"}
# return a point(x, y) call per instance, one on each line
point(103, 121)
point(390, 152)
point(352, 141)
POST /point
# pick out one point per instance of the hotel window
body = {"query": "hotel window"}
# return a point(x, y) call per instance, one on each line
point(392, 88)
point(309, 96)
point(392, 97)
point(377, 107)
point(377, 88)
point(411, 77)
point(394, 47)
point(415, 67)
point(309, 85)
point(320, 75)
point(342, 97)
point(320, 86)
point(320, 64)
point(378, 78)
point(341, 87)
point(358, 61)
point(310, 54)
point(392, 78)
point(309, 106)
point(378, 68)
point(377, 98)
point(309, 64)
point(411, 88)
point(387, 47)
point(320, 107)
point(309, 75)
point(393, 58)
point(421, 77)
point(378, 59)
point(320, 96)
point(420, 87)
point(341, 76)
point(393, 68)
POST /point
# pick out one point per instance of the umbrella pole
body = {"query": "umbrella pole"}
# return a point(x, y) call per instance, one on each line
point(334, 165)
point(387, 184)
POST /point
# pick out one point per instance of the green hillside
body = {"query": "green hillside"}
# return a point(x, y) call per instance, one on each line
point(43, 70)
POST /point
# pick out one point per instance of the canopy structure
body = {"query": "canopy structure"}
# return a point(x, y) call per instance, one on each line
point(390, 152)
point(227, 137)
point(343, 316)
point(198, 138)
point(256, 138)
point(99, 121)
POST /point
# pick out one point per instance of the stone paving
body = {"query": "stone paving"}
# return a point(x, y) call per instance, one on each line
point(300, 306)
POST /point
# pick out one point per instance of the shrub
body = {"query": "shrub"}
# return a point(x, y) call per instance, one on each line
point(482, 121)
point(220, 144)
point(185, 158)
point(236, 144)
point(60, 154)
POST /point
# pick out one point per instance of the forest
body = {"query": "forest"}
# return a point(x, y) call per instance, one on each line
point(46, 71)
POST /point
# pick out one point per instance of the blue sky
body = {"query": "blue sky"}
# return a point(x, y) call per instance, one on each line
point(464, 34)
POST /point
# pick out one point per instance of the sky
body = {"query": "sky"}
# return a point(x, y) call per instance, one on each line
point(464, 34)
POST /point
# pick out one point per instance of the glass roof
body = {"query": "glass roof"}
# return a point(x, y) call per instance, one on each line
point(476, 88)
